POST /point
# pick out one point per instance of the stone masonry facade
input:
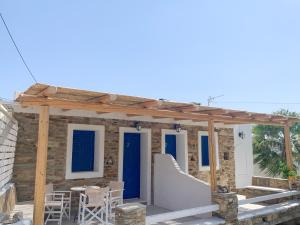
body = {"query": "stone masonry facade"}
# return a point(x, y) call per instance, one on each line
point(25, 159)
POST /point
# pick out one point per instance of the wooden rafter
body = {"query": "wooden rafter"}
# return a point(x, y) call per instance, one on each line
point(159, 117)
point(180, 119)
point(240, 113)
point(187, 108)
point(100, 113)
point(106, 98)
point(199, 120)
point(133, 115)
point(90, 106)
point(68, 98)
point(48, 91)
point(65, 110)
point(214, 111)
point(262, 116)
point(148, 104)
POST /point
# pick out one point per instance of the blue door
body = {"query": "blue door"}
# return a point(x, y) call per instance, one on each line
point(131, 165)
point(170, 144)
point(204, 151)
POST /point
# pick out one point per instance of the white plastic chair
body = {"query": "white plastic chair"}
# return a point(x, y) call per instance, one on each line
point(67, 199)
point(54, 207)
point(93, 206)
point(115, 195)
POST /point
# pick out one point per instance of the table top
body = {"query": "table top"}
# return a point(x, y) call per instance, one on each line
point(82, 188)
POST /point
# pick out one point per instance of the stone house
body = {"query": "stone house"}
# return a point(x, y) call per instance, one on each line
point(91, 138)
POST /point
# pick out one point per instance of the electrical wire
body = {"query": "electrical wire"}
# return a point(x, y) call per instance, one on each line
point(259, 102)
point(18, 50)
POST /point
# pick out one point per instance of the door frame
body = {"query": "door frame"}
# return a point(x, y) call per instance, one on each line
point(182, 157)
point(145, 182)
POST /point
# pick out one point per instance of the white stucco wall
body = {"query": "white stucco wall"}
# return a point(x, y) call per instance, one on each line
point(243, 153)
point(174, 189)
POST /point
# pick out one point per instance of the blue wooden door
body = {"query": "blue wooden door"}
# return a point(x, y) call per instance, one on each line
point(204, 151)
point(170, 144)
point(131, 165)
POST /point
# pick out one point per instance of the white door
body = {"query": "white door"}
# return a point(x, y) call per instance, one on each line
point(243, 153)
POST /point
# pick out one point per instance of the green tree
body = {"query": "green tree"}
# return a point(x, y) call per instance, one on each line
point(268, 146)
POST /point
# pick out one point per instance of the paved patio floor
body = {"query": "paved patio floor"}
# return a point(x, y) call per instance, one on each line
point(27, 209)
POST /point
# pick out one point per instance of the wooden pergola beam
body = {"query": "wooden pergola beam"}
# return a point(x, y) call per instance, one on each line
point(100, 113)
point(41, 164)
point(240, 113)
point(288, 149)
point(199, 121)
point(106, 98)
point(132, 115)
point(212, 155)
point(159, 117)
point(149, 104)
point(188, 108)
point(49, 91)
point(26, 100)
point(214, 111)
point(180, 119)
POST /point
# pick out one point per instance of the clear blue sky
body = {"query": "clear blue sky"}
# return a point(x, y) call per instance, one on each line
point(174, 49)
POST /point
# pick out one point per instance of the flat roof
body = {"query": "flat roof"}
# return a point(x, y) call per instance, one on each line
point(101, 102)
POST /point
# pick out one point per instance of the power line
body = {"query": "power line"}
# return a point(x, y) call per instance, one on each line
point(6, 99)
point(13, 41)
point(259, 102)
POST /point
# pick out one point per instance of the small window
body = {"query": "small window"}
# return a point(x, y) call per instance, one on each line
point(85, 151)
point(204, 150)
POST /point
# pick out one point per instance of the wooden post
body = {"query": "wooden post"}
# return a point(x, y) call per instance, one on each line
point(212, 155)
point(41, 165)
point(288, 150)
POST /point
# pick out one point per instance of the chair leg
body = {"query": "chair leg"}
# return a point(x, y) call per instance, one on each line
point(70, 210)
point(110, 209)
point(106, 214)
point(60, 218)
point(83, 215)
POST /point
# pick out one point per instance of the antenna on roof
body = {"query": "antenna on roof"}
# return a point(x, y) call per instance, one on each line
point(211, 99)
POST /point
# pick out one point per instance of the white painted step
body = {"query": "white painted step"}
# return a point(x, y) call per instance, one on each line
point(241, 197)
point(193, 221)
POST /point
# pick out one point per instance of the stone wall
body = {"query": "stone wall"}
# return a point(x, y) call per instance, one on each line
point(25, 159)
point(270, 182)
point(130, 214)
point(7, 198)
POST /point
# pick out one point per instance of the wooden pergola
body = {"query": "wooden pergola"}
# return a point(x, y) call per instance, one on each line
point(46, 96)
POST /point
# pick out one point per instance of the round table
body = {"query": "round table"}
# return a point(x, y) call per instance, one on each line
point(82, 188)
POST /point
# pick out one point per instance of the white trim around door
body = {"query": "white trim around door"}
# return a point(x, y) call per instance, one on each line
point(145, 182)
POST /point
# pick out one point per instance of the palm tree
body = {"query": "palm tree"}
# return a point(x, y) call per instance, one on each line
point(268, 146)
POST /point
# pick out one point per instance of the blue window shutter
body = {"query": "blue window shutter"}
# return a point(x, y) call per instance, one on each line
point(83, 151)
point(204, 151)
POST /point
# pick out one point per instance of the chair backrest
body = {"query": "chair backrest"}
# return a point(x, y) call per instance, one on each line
point(49, 190)
point(116, 185)
point(96, 196)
